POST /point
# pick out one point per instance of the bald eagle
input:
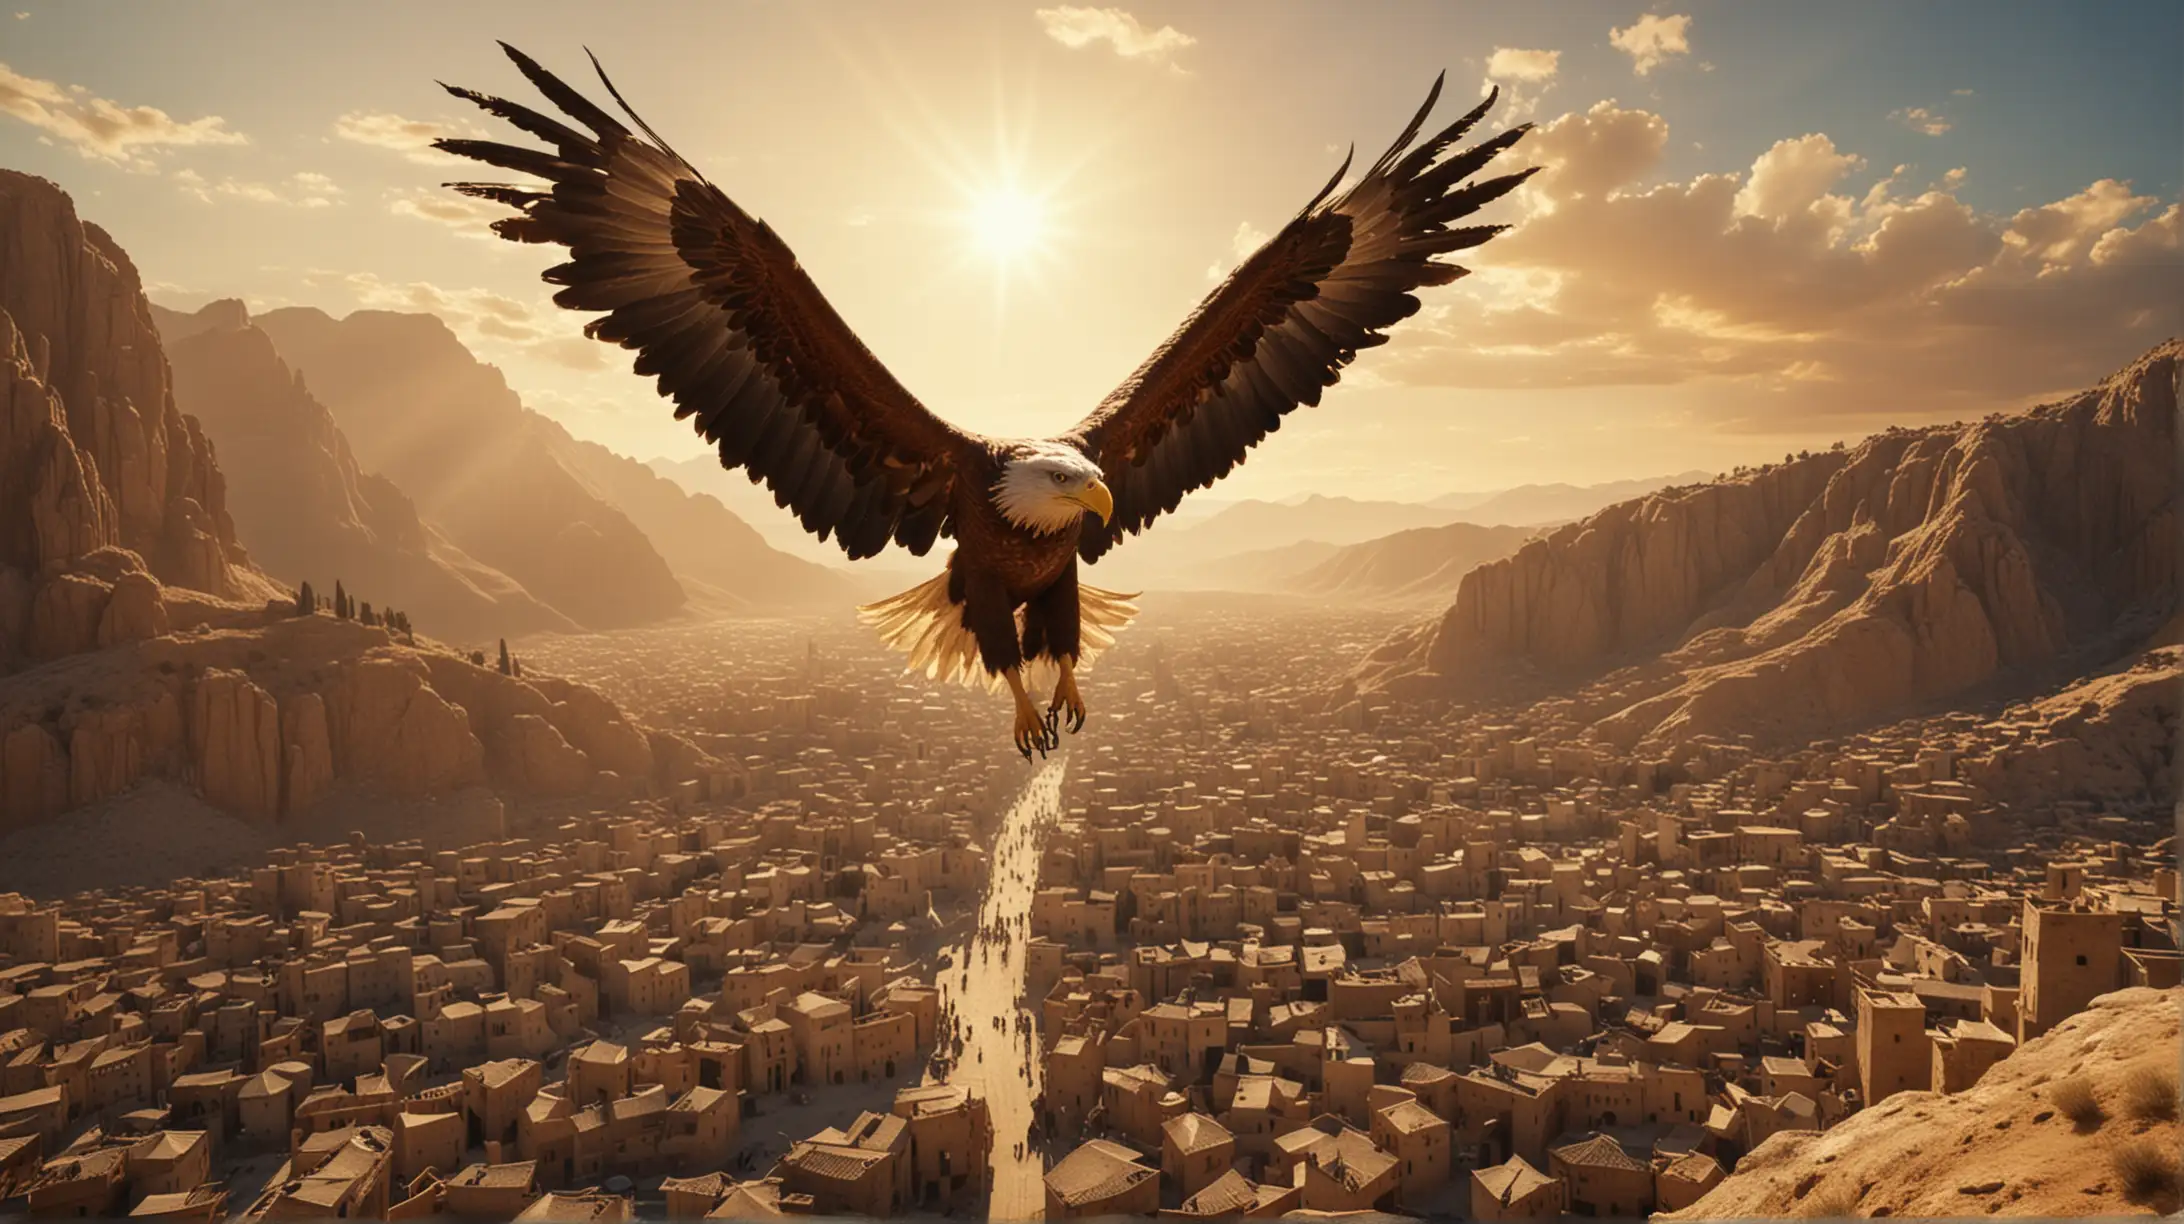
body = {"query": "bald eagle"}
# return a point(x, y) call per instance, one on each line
point(718, 310)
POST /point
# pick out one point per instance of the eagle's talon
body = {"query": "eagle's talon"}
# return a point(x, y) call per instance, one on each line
point(1067, 702)
point(1031, 729)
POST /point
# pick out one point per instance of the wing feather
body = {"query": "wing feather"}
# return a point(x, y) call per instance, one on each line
point(1280, 329)
point(722, 318)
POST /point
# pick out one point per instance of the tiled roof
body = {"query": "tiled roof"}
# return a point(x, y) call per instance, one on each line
point(1599, 1152)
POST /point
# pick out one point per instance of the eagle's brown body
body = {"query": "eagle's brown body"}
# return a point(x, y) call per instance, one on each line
point(719, 311)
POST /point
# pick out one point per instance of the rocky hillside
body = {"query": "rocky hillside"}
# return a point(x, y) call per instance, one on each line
point(445, 428)
point(137, 641)
point(1920, 565)
point(598, 535)
point(1424, 566)
point(304, 507)
point(2002, 1147)
point(703, 541)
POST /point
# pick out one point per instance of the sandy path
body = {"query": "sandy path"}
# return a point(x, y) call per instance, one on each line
point(986, 982)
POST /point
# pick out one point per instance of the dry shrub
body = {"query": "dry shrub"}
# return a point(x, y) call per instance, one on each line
point(2074, 1096)
point(1836, 1202)
point(2149, 1173)
point(2151, 1097)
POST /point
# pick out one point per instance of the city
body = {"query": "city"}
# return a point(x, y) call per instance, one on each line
point(1240, 949)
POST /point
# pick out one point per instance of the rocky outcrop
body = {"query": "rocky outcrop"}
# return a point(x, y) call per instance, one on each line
point(420, 410)
point(93, 451)
point(270, 714)
point(305, 509)
point(1834, 588)
point(2000, 1147)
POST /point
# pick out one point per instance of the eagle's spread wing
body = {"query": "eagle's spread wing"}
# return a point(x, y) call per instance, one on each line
point(717, 308)
point(1283, 324)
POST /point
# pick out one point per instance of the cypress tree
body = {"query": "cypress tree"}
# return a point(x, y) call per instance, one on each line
point(306, 600)
point(341, 601)
point(507, 667)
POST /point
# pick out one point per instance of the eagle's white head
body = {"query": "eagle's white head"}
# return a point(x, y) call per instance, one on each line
point(1045, 486)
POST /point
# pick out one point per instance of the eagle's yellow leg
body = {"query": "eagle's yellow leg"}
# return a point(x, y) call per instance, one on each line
point(1067, 700)
point(1033, 729)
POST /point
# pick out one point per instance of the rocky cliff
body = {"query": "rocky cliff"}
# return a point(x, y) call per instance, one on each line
point(2001, 1147)
point(303, 506)
point(138, 642)
point(1920, 565)
point(104, 484)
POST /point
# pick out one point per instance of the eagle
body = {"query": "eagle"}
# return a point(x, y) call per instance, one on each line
point(720, 313)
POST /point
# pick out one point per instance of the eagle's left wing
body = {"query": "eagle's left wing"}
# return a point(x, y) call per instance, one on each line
point(1283, 324)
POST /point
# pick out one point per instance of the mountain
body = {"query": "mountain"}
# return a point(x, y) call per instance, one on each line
point(1555, 503)
point(1921, 565)
point(1421, 566)
point(702, 476)
point(421, 411)
point(139, 644)
point(702, 539)
point(303, 506)
point(1181, 554)
point(93, 452)
point(109, 495)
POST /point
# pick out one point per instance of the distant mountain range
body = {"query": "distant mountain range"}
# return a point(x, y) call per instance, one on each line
point(505, 496)
point(1553, 503)
point(1263, 545)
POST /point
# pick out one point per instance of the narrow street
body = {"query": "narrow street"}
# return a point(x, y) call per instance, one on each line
point(983, 990)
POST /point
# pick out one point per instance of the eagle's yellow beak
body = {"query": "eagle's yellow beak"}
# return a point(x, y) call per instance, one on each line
point(1097, 499)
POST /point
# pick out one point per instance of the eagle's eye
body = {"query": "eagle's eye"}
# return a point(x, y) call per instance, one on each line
point(1059, 478)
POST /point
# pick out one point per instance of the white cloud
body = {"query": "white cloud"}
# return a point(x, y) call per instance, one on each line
point(1523, 76)
point(101, 128)
point(1247, 239)
point(1791, 177)
point(1517, 64)
point(1077, 27)
point(410, 137)
point(1799, 301)
point(1651, 39)
point(1920, 119)
point(303, 189)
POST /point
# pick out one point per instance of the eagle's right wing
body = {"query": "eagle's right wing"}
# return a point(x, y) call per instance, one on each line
point(1285, 322)
point(716, 307)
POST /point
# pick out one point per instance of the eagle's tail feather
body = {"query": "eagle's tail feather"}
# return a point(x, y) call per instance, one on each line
point(926, 625)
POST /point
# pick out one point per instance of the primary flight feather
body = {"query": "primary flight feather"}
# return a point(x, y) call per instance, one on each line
point(720, 313)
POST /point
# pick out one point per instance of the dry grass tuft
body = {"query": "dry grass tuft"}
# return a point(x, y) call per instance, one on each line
point(2151, 1097)
point(1837, 1202)
point(2074, 1096)
point(2149, 1173)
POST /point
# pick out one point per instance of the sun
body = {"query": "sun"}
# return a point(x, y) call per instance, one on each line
point(1006, 223)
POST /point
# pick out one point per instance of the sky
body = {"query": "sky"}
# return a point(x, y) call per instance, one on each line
point(1758, 228)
